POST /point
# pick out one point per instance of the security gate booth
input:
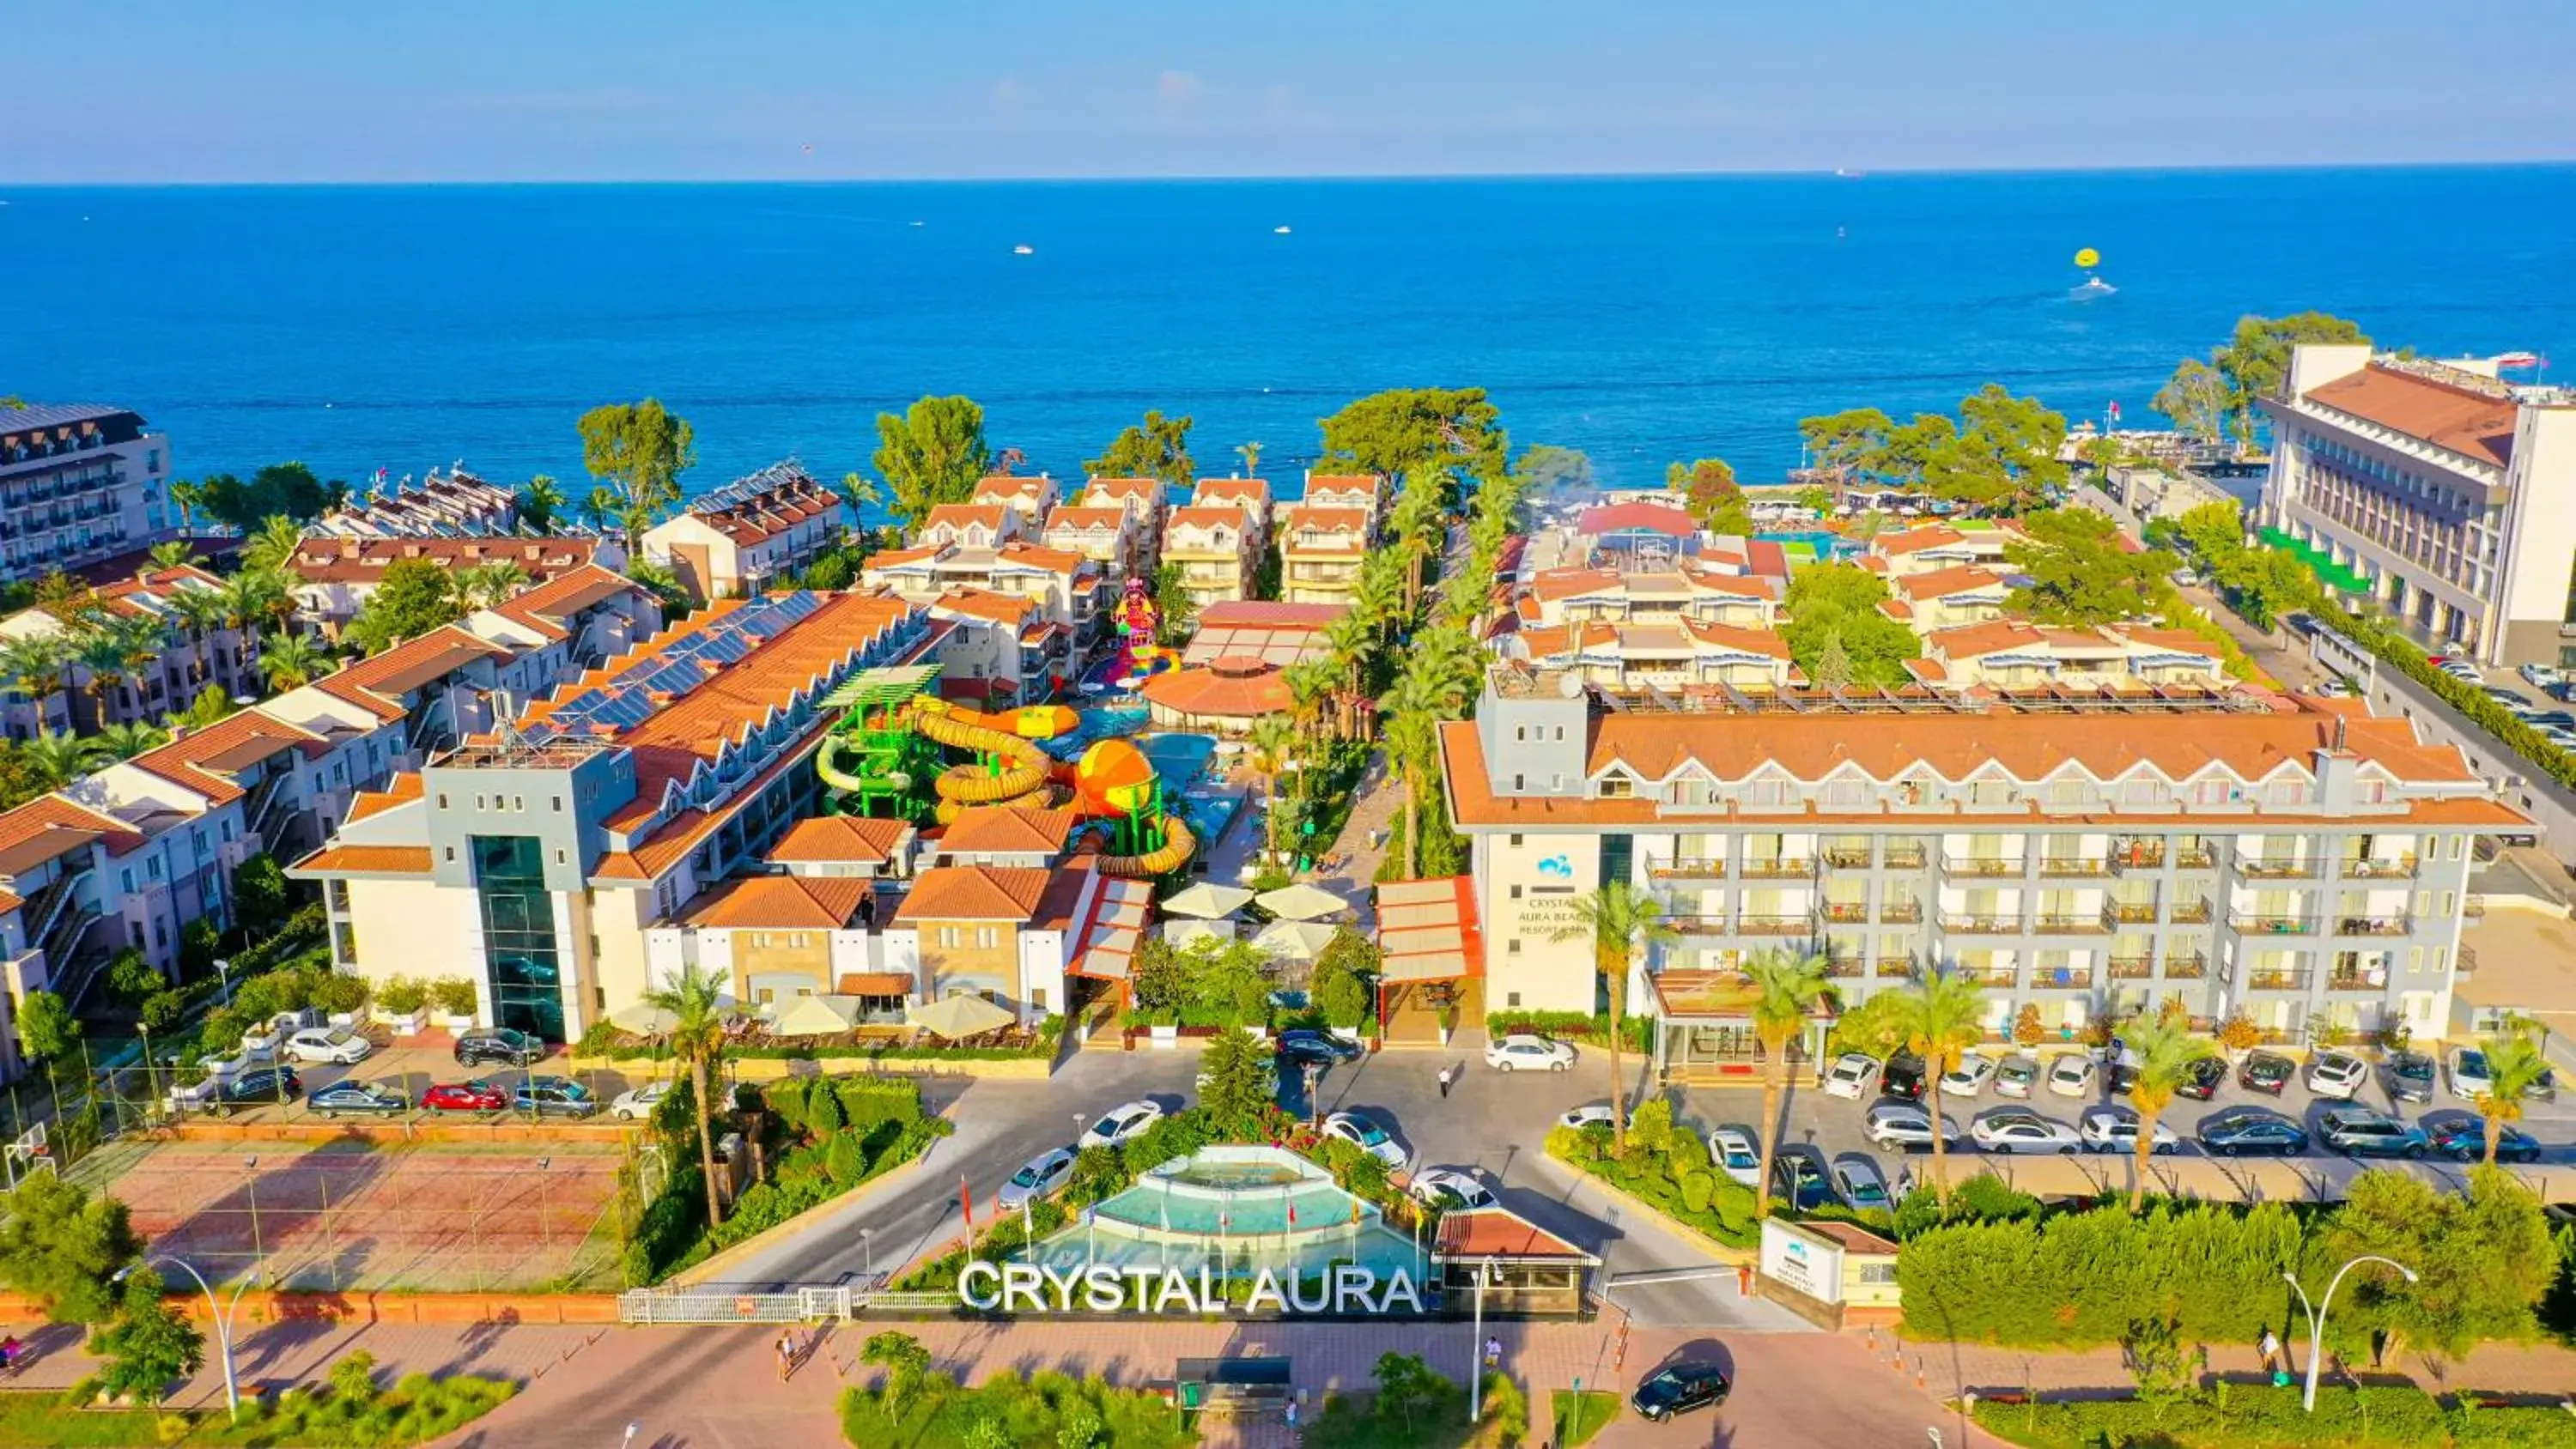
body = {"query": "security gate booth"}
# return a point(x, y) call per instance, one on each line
point(1528, 1271)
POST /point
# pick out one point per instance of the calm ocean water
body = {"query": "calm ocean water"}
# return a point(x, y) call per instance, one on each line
point(1642, 320)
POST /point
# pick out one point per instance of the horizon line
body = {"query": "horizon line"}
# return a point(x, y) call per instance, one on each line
point(1772, 174)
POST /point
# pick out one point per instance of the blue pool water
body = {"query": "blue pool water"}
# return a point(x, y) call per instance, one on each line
point(1179, 758)
point(1817, 541)
point(1097, 722)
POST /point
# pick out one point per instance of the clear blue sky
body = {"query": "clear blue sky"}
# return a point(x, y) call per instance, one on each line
point(260, 90)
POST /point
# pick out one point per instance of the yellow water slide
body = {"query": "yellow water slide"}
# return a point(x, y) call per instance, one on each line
point(1025, 768)
point(1178, 846)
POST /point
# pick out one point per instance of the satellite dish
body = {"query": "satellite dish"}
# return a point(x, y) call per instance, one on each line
point(2088, 258)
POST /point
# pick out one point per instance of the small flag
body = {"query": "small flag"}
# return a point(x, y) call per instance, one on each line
point(2115, 412)
point(966, 1201)
point(1292, 1215)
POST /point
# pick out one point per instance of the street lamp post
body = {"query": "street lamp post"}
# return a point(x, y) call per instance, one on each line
point(222, 1314)
point(632, 1429)
point(1476, 1372)
point(2317, 1314)
point(545, 1234)
point(224, 973)
point(250, 1185)
point(868, 1257)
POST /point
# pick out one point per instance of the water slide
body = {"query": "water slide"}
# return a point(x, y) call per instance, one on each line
point(1025, 771)
point(862, 775)
point(1178, 846)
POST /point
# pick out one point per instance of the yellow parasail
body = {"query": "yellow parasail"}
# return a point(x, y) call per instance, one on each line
point(2088, 258)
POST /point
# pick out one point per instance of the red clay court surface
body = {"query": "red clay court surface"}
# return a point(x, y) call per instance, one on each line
point(342, 1219)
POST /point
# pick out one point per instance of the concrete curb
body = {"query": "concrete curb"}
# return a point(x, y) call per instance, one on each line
point(707, 1271)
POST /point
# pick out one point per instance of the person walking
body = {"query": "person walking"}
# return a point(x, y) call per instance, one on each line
point(786, 1354)
point(1444, 1081)
point(1493, 1352)
point(2271, 1347)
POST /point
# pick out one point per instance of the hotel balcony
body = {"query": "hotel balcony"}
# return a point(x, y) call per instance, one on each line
point(1756, 925)
point(2185, 966)
point(1894, 968)
point(2355, 981)
point(2130, 913)
point(2132, 968)
point(1982, 925)
point(1980, 865)
point(2127, 855)
point(1847, 857)
point(1690, 869)
point(2195, 857)
point(2072, 925)
point(2259, 869)
point(2061, 978)
point(2402, 868)
point(1989, 975)
point(1700, 925)
point(2250, 924)
point(2189, 913)
point(1846, 911)
point(1901, 857)
point(2276, 980)
point(2073, 866)
point(2372, 925)
point(1844, 968)
point(1782, 867)
point(1907, 911)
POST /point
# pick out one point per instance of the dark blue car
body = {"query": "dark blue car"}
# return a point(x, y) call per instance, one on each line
point(2466, 1141)
point(2240, 1134)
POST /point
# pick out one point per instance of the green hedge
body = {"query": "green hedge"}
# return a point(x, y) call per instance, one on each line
point(1591, 1025)
point(1046, 1408)
point(2077, 1280)
point(2399, 652)
point(608, 1042)
point(1671, 1180)
point(2241, 1416)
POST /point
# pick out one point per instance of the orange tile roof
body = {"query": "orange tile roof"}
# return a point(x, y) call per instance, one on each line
point(1939, 583)
point(1994, 636)
point(1225, 689)
point(1073, 516)
point(782, 902)
point(1007, 830)
point(50, 827)
point(895, 557)
point(1742, 640)
point(402, 789)
point(975, 893)
point(1330, 520)
point(364, 860)
point(117, 595)
point(986, 605)
point(1550, 585)
point(1269, 614)
point(791, 498)
point(840, 839)
point(377, 684)
point(1037, 556)
point(548, 604)
point(1011, 486)
point(1202, 516)
point(1247, 492)
point(1652, 517)
point(2446, 416)
point(1340, 482)
point(364, 560)
point(1149, 490)
point(1493, 1232)
point(991, 516)
point(206, 760)
point(1915, 540)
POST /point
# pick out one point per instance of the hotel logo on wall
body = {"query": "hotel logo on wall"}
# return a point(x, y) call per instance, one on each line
point(1100, 1288)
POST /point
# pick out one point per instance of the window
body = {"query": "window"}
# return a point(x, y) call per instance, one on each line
point(1617, 787)
point(948, 937)
point(1516, 893)
point(1560, 734)
point(1516, 842)
point(1519, 783)
point(451, 852)
point(1878, 1272)
point(1513, 948)
point(558, 804)
point(987, 937)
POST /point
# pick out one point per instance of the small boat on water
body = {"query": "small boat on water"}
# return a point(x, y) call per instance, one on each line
point(1279, 231)
point(2093, 290)
point(1024, 251)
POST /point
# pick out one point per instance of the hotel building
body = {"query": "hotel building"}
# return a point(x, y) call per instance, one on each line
point(2443, 488)
point(78, 483)
point(2289, 858)
point(743, 537)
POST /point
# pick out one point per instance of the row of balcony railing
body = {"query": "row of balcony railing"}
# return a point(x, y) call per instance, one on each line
point(2110, 919)
point(2041, 976)
point(2058, 867)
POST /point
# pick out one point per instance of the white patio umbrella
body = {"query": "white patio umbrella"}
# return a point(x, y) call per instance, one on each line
point(1294, 940)
point(816, 1016)
point(1207, 901)
point(643, 1019)
point(956, 1016)
point(1301, 902)
point(1182, 933)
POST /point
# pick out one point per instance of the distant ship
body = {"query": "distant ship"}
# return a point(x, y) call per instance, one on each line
point(1849, 174)
point(1024, 251)
point(2093, 290)
point(1274, 231)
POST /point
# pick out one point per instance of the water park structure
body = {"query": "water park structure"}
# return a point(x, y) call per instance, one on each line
point(1140, 654)
point(886, 749)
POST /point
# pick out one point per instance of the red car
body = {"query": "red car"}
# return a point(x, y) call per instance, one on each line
point(477, 1095)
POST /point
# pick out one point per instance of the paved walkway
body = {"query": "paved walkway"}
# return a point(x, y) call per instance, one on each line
point(2497, 1368)
point(1354, 878)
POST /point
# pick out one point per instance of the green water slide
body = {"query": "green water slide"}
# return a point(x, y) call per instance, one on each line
point(873, 760)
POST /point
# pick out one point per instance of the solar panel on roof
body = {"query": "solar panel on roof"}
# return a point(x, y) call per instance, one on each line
point(728, 648)
point(581, 704)
point(677, 678)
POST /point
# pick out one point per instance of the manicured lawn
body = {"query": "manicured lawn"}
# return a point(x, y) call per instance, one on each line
point(2262, 1417)
point(414, 1411)
point(1577, 1422)
point(941, 1415)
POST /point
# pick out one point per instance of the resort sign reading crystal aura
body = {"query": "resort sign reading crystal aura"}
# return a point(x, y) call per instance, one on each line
point(1101, 1288)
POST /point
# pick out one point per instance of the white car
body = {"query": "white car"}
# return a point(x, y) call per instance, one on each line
point(1732, 1149)
point(2339, 1075)
point(1596, 1114)
point(1851, 1074)
point(1367, 1136)
point(328, 1044)
point(1969, 1077)
point(2539, 676)
point(1118, 1124)
point(2468, 1074)
point(1858, 1180)
point(2072, 1074)
point(2016, 1076)
point(637, 1103)
point(1522, 1052)
point(1905, 1125)
point(2015, 1130)
point(1038, 1177)
point(1444, 1187)
point(2115, 1129)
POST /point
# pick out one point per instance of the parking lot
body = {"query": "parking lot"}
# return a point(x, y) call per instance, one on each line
point(411, 1072)
point(1831, 1129)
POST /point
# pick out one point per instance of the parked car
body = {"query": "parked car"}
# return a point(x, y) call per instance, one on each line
point(1522, 1052)
point(1798, 1178)
point(1969, 1077)
point(1446, 1187)
point(1903, 1076)
point(1859, 1182)
point(2337, 1074)
point(2464, 1139)
point(1906, 1125)
point(477, 1095)
point(2203, 1079)
point(2266, 1072)
point(1850, 1075)
point(2468, 1074)
point(1678, 1389)
point(1348, 1127)
point(1732, 1149)
point(1037, 1178)
point(2072, 1074)
point(2543, 1088)
point(500, 1044)
point(2509, 698)
point(363, 1099)
point(2540, 676)
point(1316, 1048)
point(2115, 1129)
point(258, 1087)
point(336, 1044)
point(552, 1097)
point(2014, 1129)
point(2358, 1131)
point(2410, 1077)
point(637, 1103)
point(2550, 719)
point(2246, 1131)
point(1594, 1114)
point(1120, 1123)
point(2016, 1076)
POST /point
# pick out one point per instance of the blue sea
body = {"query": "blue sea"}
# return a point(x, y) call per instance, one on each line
point(1641, 320)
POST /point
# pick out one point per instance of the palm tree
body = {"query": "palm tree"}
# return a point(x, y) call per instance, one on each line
point(188, 496)
point(1620, 921)
point(485, 586)
point(1250, 453)
point(1273, 738)
point(173, 553)
point(601, 504)
point(1943, 1016)
point(101, 653)
point(292, 661)
point(272, 545)
point(199, 612)
point(2166, 1051)
point(2514, 1066)
point(56, 758)
point(860, 489)
point(125, 741)
point(33, 665)
point(694, 998)
point(1786, 987)
point(541, 503)
point(257, 596)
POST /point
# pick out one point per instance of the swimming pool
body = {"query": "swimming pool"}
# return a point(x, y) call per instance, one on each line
point(1817, 542)
point(1116, 718)
point(1181, 759)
